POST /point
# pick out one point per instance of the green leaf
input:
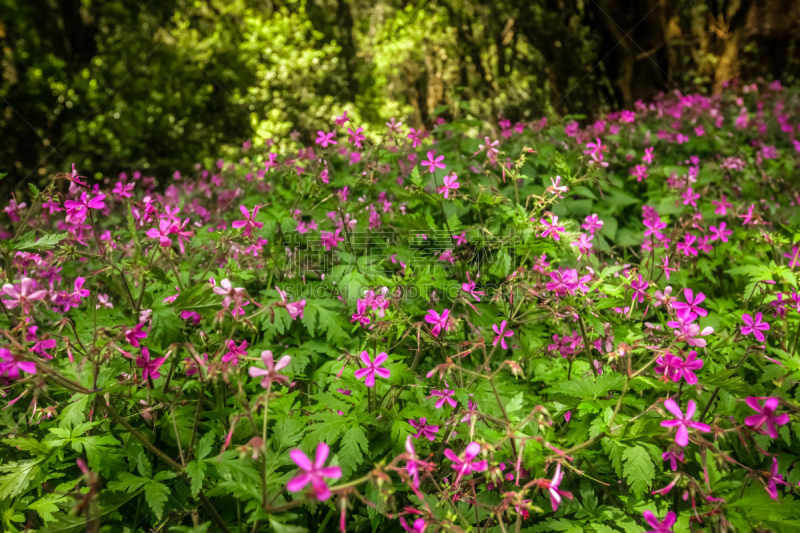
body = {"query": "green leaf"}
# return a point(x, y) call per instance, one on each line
point(165, 328)
point(278, 527)
point(156, 495)
point(638, 469)
point(28, 241)
point(109, 500)
point(614, 450)
point(353, 442)
point(20, 475)
point(197, 473)
point(74, 413)
point(205, 446)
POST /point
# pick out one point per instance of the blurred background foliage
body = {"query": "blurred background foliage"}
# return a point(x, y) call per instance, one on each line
point(157, 85)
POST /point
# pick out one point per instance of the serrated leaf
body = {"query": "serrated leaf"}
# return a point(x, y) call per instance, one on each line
point(74, 413)
point(350, 451)
point(156, 495)
point(28, 242)
point(614, 450)
point(196, 471)
point(110, 501)
point(205, 446)
point(19, 477)
point(638, 469)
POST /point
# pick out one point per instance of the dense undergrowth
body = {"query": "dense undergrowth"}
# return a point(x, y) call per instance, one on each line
point(513, 327)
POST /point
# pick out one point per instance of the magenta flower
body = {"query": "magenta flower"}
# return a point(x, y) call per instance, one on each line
point(232, 356)
point(692, 303)
point(639, 288)
point(450, 182)
point(774, 480)
point(423, 429)
point(466, 465)
point(355, 136)
point(249, 221)
point(469, 288)
point(270, 374)
point(722, 205)
point(688, 366)
point(434, 163)
point(325, 138)
point(669, 366)
point(592, 224)
point(438, 321)
point(133, 335)
point(660, 527)
point(313, 473)
point(417, 527)
point(360, 315)
point(552, 228)
point(720, 233)
point(673, 456)
point(444, 395)
point(754, 326)
point(584, 243)
point(149, 366)
point(372, 368)
point(686, 246)
point(295, 309)
point(77, 210)
point(165, 229)
point(555, 492)
point(690, 197)
point(22, 296)
point(502, 333)
point(40, 346)
point(765, 421)
point(226, 289)
point(793, 257)
point(683, 423)
point(10, 364)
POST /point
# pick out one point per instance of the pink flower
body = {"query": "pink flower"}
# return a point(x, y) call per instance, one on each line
point(40, 345)
point(417, 527)
point(313, 473)
point(639, 289)
point(555, 492)
point(232, 356)
point(793, 257)
point(688, 366)
point(165, 228)
point(765, 421)
point(673, 457)
point(583, 243)
point(444, 395)
point(592, 224)
point(466, 465)
point(774, 480)
point(501, 334)
point(360, 315)
point(133, 335)
point(692, 305)
point(325, 138)
point(423, 429)
point(226, 289)
point(355, 136)
point(469, 288)
point(690, 197)
point(683, 423)
point(686, 245)
point(22, 296)
point(270, 374)
point(720, 233)
point(450, 182)
point(722, 205)
point(149, 366)
point(660, 527)
point(249, 221)
point(434, 163)
point(552, 228)
point(11, 364)
point(416, 137)
point(754, 326)
point(295, 309)
point(77, 210)
point(438, 321)
point(373, 368)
